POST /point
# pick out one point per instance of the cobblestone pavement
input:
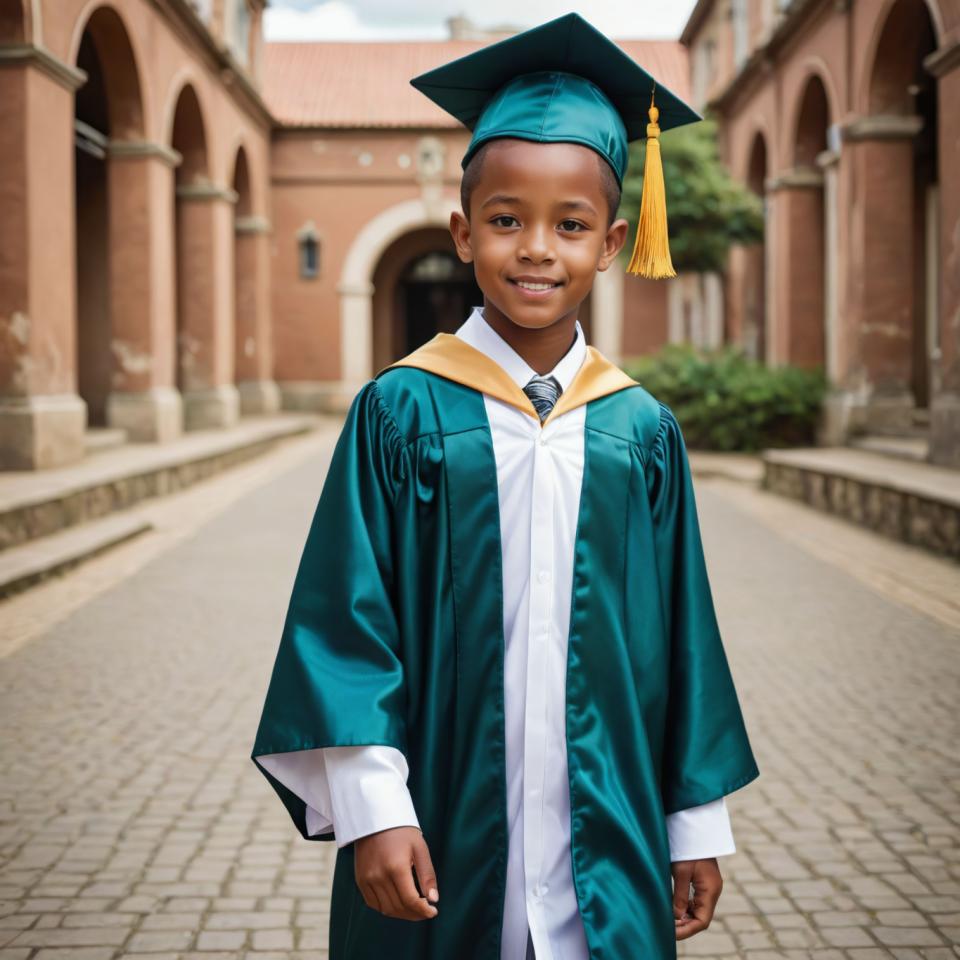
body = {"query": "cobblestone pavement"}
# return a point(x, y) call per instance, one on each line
point(132, 821)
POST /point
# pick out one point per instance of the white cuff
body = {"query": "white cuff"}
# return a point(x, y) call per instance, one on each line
point(353, 791)
point(700, 832)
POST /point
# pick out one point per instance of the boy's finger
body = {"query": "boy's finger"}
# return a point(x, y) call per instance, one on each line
point(689, 928)
point(413, 905)
point(390, 900)
point(370, 896)
point(682, 874)
point(426, 875)
point(702, 906)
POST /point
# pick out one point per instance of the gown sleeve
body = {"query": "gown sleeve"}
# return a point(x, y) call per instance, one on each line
point(706, 750)
point(338, 678)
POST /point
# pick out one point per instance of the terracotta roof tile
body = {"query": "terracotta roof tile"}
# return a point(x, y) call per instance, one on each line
point(367, 84)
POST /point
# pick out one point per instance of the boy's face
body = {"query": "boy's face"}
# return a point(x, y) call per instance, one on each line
point(537, 211)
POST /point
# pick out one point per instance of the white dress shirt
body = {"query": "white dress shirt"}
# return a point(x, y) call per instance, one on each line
point(360, 790)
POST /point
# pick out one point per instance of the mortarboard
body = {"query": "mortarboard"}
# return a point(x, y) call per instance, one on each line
point(566, 81)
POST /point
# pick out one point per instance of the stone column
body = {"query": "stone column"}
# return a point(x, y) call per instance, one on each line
point(607, 312)
point(42, 418)
point(205, 295)
point(944, 64)
point(356, 326)
point(800, 266)
point(254, 344)
point(143, 399)
point(881, 292)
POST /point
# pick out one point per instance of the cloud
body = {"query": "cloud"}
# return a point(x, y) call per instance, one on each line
point(423, 20)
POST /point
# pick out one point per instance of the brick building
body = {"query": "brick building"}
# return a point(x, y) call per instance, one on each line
point(199, 226)
point(845, 118)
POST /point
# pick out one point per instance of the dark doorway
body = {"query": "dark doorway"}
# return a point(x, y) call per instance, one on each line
point(437, 291)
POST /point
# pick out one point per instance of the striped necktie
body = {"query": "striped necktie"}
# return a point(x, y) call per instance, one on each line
point(543, 393)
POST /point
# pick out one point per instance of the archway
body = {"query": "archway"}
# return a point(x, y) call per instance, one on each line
point(806, 224)
point(108, 108)
point(421, 287)
point(356, 285)
point(202, 375)
point(897, 158)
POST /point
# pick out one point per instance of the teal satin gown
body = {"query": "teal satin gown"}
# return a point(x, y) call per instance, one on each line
point(394, 635)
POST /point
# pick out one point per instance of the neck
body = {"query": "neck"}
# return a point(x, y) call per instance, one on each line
point(541, 347)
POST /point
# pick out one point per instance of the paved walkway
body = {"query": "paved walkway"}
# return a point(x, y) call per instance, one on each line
point(132, 821)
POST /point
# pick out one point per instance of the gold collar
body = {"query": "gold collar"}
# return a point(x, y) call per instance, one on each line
point(452, 357)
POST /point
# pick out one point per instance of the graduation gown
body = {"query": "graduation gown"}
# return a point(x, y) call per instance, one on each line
point(404, 643)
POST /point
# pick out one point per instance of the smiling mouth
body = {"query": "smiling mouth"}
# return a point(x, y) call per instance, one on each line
point(526, 285)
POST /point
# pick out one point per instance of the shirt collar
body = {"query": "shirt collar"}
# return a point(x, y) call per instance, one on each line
point(480, 335)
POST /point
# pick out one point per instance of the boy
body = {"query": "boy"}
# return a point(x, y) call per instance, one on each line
point(501, 629)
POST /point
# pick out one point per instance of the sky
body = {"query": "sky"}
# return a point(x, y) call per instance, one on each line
point(425, 19)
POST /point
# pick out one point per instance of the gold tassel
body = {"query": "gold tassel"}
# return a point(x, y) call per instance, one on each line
point(651, 249)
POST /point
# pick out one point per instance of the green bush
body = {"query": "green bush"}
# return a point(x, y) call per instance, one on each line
point(725, 400)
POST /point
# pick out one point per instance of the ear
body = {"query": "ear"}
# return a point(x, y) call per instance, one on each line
point(613, 242)
point(460, 231)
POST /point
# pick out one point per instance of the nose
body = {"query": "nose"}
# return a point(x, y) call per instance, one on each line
point(536, 243)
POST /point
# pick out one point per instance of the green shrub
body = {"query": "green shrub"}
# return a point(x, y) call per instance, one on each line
point(725, 400)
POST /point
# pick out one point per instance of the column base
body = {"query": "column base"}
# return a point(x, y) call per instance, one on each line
point(211, 408)
point(842, 415)
point(258, 396)
point(321, 396)
point(148, 416)
point(945, 430)
point(38, 432)
point(890, 413)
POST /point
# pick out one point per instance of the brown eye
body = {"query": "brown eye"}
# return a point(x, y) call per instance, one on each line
point(503, 216)
point(577, 225)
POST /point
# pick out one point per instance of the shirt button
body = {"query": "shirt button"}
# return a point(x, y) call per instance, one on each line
point(543, 576)
point(543, 441)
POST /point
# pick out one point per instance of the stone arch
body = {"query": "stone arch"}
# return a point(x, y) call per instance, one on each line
point(896, 148)
point(253, 343)
point(806, 206)
point(895, 31)
point(188, 136)
point(356, 279)
point(203, 267)
point(817, 92)
point(104, 27)
point(109, 111)
point(240, 144)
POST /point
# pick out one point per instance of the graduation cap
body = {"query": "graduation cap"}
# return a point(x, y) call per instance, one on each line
point(566, 81)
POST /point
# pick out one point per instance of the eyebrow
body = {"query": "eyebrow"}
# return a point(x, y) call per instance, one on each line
point(564, 204)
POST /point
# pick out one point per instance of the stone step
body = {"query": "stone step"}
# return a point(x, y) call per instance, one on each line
point(23, 566)
point(908, 500)
point(907, 448)
point(39, 503)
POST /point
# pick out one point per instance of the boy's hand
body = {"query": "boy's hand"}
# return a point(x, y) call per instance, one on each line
point(692, 914)
point(383, 866)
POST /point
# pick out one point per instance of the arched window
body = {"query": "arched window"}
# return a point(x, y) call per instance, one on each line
point(308, 242)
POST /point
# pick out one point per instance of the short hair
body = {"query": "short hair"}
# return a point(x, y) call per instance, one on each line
point(608, 182)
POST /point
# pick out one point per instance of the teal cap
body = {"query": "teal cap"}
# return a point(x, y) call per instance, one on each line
point(562, 80)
